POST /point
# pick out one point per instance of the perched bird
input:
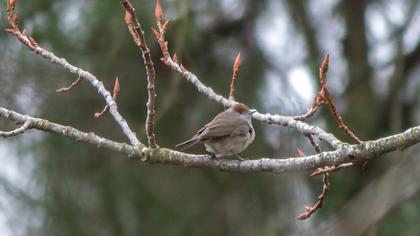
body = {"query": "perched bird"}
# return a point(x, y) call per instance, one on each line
point(229, 133)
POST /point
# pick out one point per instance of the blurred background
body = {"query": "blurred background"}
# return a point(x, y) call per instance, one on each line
point(50, 185)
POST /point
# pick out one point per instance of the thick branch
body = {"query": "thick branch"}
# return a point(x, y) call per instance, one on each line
point(368, 149)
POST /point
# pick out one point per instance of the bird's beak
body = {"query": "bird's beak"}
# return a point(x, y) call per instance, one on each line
point(252, 111)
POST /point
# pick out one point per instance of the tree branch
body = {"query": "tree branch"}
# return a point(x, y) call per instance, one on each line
point(365, 150)
point(309, 210)
point(72, 85)
point(116, 91)
point(138, 36)
point(17, 131)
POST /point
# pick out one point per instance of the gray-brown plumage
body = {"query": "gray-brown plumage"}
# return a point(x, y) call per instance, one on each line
point(229, 133)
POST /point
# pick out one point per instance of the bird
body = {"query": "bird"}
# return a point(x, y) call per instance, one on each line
point(229, 133)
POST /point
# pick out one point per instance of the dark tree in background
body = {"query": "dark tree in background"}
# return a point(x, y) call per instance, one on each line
point(49, 185)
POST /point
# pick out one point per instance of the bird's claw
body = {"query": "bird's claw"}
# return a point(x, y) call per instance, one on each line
point(240, 158)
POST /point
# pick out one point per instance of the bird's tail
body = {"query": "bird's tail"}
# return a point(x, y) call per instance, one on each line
point(188, 143)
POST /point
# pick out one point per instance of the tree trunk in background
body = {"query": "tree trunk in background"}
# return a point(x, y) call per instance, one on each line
point(362, 103)
point(299, 13)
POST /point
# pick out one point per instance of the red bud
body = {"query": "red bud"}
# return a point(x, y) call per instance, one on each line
point(158, 11)
point(165, 25)
point(14, 20)
point(302, 216)
point(324, 66)
point(10, 5)
point(237, 63)
point(8, 30)
point(299, 152)
point(156, 33)
point(32, 41)
point(175, 58)
point(364, 165)
point(128, 18)
point(116, 86)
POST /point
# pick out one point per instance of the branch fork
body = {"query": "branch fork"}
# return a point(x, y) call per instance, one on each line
point(26, 125)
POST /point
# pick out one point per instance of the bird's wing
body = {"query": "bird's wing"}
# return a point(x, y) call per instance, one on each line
point(205, 129)
point(224, 128)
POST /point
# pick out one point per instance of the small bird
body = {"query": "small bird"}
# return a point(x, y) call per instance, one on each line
point(229, 133)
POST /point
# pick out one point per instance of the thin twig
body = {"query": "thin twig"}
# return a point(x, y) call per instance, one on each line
point(315, 107)
point(309, 210)
point(324, 97)
point(26, 125)
point(330, 169)
point(66, 89)
point(323, 69)
point(116, 91)
point(325, 187)
point(102, 112)
point(138, 36)
point(313, 143)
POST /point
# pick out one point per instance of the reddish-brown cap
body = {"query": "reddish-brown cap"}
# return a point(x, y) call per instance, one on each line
point(240, 108)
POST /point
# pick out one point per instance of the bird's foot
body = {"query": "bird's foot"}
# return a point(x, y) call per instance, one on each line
point(212, 156)
point(240, 158)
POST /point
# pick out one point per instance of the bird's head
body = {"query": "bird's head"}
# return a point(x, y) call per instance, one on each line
point(243, 109)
